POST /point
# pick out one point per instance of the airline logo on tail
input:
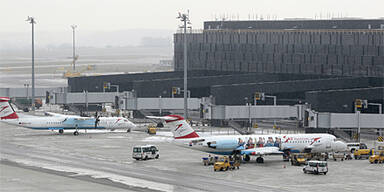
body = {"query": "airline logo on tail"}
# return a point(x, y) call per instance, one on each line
point(6, 110)
point(180, 128)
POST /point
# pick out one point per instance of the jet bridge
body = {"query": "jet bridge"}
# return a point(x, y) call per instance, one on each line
point(242, 112)
point(126, 100)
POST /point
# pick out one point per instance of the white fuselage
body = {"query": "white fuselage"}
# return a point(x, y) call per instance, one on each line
point(225, 145)
point(63, 122)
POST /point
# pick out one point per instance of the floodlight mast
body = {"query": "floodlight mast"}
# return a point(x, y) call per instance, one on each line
point(185, 19)
point(32, 21)
point(73, 45)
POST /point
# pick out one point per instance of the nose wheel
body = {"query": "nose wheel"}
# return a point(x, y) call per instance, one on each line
point(61, 131)
point(76, 133)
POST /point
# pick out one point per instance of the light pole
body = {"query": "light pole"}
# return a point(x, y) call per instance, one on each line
point(32, 21)
point(73, 44)
point(26, 85)
point(185, 19)
point(249, 113)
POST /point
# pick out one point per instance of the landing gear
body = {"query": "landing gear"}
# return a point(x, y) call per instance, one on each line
point(259, 160)
point(61, 131)
point(286, 155)
point(128, 130)
point(76, 132)
point(247, 158)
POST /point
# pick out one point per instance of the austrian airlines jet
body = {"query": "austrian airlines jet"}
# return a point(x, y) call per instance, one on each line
point(255, 145)
point(61, 122)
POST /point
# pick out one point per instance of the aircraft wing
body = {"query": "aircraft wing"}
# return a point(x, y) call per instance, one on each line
point(262, 151)
point(80, 121)
point(61, 115)
point(67, 116)
point(53, 114)
point(162, 118)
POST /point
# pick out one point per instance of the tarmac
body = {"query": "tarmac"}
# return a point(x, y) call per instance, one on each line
point(37, 160)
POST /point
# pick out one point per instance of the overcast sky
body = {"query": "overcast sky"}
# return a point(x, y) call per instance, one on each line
point(115, 15)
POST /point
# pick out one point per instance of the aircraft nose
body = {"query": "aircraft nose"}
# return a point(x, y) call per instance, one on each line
point(340, 146)
point(132, 125)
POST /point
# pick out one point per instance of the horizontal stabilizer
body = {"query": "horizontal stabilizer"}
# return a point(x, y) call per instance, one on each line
point(167, 118)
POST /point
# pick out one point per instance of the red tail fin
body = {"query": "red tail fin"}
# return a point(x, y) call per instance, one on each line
point(6, 110)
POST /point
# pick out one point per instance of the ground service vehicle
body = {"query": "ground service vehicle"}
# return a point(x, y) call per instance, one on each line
point(378, 157)
point(298, 159)
point(222, 164)
point(317, 156)
point(234, 164)
point(210, 160)
point(352, 147)
point(145, 152)
point(363, 153)
point(151, 130)
point(316, 167)
point(336, 156)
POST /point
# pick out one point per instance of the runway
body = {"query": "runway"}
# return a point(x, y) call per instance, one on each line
point(103, 162)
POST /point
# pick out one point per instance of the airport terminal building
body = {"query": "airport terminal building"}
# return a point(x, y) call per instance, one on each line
point(326, 63)
point(323, 47)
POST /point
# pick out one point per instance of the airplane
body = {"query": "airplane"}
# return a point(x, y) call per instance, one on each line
point(261, 145)
point(61, 122)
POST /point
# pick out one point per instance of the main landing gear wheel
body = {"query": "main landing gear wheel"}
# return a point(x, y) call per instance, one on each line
point(247, 158)
point(76, 133)
point(61, 131)
point(259, 160)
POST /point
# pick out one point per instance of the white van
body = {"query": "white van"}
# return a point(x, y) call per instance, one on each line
point(145, 152)
point(316, 167)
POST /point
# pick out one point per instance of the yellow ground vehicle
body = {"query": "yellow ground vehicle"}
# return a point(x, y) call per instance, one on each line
point(151, 129)
point(378, 157)
point(222, 164)
point(298, 159)
point(363, 153)
point(225, 163)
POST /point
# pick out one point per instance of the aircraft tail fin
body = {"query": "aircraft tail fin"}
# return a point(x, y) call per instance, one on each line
point(6, 110)
point(180, 127)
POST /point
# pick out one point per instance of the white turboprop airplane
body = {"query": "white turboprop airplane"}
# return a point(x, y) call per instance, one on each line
point(61, 122)
point(251, 145)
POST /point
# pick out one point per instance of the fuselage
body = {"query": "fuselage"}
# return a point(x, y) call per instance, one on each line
point(62, 122)
point(225, 145)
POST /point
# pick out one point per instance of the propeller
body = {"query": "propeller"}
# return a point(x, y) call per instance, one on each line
point(97, 119)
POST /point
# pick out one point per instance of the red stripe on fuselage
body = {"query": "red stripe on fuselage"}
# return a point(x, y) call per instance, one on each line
point(191, 135)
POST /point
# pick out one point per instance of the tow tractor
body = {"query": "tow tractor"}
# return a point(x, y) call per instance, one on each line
point(363, 153)
point(378, 157)
point(298, 159)
point(222, 164)
point(151, 129)
point(227, 163)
